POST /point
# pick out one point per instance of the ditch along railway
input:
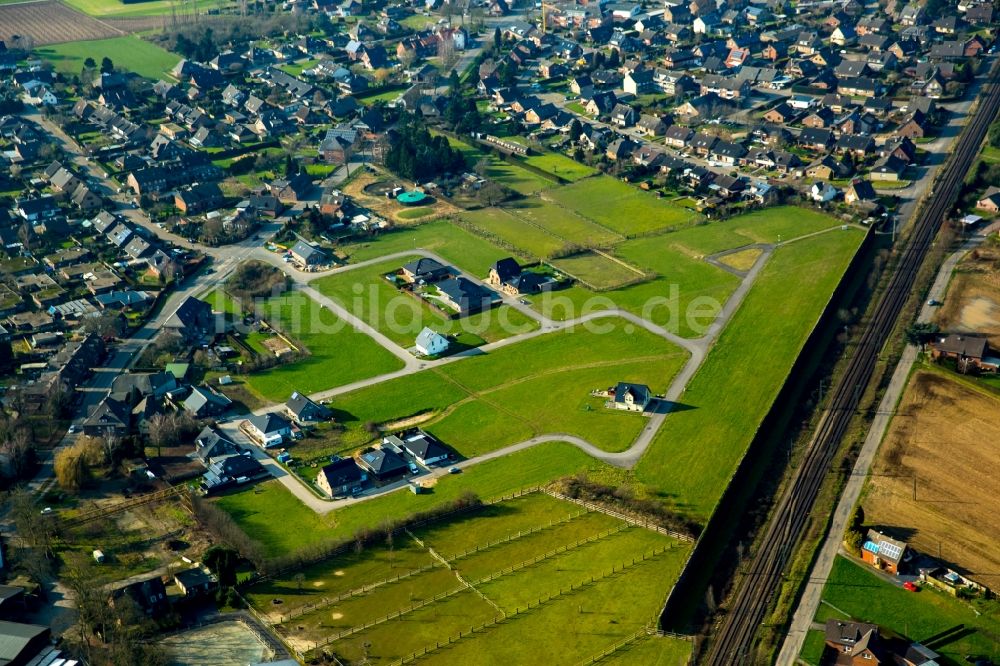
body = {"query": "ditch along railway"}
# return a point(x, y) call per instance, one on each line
point(733, 641)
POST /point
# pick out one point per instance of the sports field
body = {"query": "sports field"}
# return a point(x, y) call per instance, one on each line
point(337, 354)
point(127, 53)
point(541, 385)
point(533, 565)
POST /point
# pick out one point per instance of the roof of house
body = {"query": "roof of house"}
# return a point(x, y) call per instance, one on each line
point(195, 577)
point(268, 423)
point(506, 269)
point(192, 313)
point(383, 461)
point(423, 266)
point(307, 251)
point(885, 547)
point(302, 407)
point(964, 345)
point(16, 637)
point(342, 472)
point(640, 392)
point(424, 446)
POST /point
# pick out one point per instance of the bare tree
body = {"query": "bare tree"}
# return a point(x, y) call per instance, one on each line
point(162, 431)
point(446, 51)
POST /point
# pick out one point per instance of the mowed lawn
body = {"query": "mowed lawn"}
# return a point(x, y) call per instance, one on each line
point(127, 53)
point(562, 223)
point(560, 165)
point(338, 354)
point(463, 249)
point(620, 207)
point(697, 450)
point(531, 240)
point(577, 550)
point(866, 597)
point(401, 316)
point(283, 525)
point(517, 178)
point(116, 8)
point(596, 270)
point(535, 387)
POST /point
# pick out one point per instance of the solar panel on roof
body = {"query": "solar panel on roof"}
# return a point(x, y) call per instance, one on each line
point(890, 550)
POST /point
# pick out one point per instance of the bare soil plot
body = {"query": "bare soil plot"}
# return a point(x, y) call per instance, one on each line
point(947, 434)
point(973, 301)
point(51, 22)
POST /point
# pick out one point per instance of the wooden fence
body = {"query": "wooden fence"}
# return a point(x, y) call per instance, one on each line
point(621, 516)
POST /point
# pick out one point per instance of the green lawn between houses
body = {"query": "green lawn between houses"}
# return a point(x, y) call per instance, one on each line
point(127, 53)
point(866, 597)
point(401, 316)
point(283, 525)
point(560, 165)
point(537, 386)
point(517, 178)
point(338, 354)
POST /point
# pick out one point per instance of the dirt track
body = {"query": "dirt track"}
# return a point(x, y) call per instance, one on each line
point(948, 436)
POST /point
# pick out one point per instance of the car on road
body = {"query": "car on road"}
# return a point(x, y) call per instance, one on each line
point(73, 429)
point(47, 510)
point(414, 469)
point(933, 302)
point(453, 470)
point(909, 586)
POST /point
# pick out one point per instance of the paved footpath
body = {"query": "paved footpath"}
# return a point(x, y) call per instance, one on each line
point(811, 596)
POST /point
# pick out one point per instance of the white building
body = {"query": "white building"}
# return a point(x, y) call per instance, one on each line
point(431, 343)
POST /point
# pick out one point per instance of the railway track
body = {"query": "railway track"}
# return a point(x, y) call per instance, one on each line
point(733, 642)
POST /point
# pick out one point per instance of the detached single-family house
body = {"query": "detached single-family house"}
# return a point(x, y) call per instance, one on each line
point(307, 255)
point(883, 552)
point(630, 397)
point(424, 448)
point(507, 276)
point(465, 296)
point(990, 201)
point(382, 463)
point(968, 351)
point(195, 582)
point(202, 402)
point(425, 270)
point(342, 477)
point(267, 429)
point(303, 410)
point(431, 343)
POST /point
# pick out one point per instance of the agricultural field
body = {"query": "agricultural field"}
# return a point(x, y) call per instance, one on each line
point(620, 207)
point(945, 433)
point(400, 316)
point(487, 568)
point(597, 271)
point(537, 386)
point(127, 53)
point(950, 627)
point(755, 352)
point(972, 304)
point(50, 22)
point(337, 354)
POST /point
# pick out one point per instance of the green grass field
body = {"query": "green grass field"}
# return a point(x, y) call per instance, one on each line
point(578, 553)
point(378, 95)
point(652, 651)
point(528, 238)
point(620, 207)
point(401, 316)
point(560, 165)
point(866, 597)
point(517, 178)
point(127, 53)
point(596, 270)
point(755, 353)
point(338, 354)
point(562, 223)
point(283, 525)
point(463, 249)
point(118, 9)
point(538, 386)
